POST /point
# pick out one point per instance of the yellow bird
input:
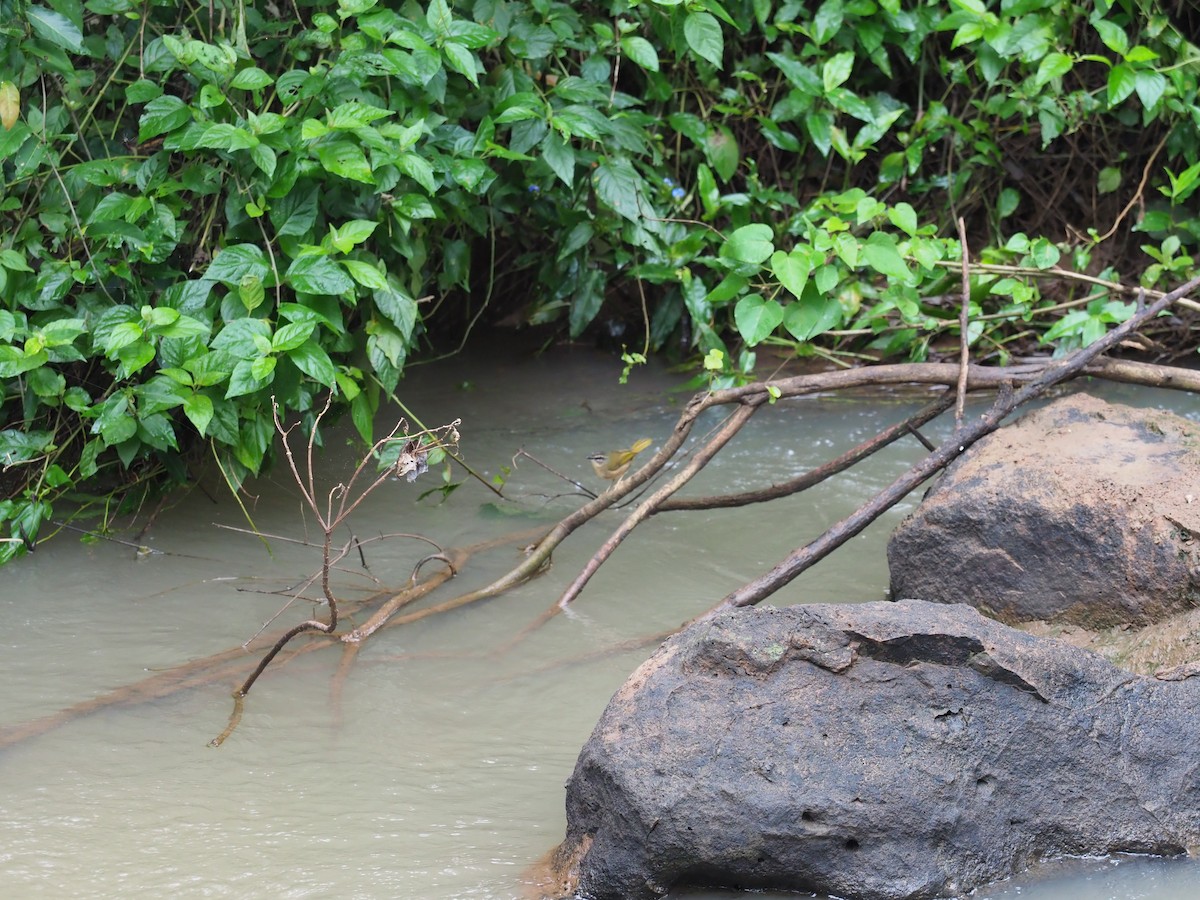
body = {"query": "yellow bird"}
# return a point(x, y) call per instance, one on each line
point(612, 465)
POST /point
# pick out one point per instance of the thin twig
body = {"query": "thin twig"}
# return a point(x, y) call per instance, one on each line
point(964, 343)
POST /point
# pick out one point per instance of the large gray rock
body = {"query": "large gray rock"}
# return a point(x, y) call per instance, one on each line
point(1083, 512)
point(882, 750)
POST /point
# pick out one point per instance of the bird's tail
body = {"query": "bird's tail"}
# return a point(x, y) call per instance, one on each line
point(640, 445)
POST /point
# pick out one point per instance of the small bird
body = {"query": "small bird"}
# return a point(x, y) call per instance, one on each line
point(614, 464)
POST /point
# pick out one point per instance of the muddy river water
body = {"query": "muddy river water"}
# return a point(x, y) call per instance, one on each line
point(436, 770)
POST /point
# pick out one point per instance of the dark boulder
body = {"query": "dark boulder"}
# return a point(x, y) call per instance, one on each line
point(1082, 512)
point(881, 750)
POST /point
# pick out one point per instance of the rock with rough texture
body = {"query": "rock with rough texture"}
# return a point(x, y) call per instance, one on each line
point(881, 750)
point(1082, 512)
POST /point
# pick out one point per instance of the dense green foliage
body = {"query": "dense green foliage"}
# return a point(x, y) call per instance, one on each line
point(207, 205)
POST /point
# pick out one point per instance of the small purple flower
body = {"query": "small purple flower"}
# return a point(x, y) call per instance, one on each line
point(534, 189)
point(678, 193)
point(668, 182)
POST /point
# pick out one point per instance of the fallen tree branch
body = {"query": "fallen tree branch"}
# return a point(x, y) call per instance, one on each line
point(804, 557)
point(648, 506)
point(813, 477)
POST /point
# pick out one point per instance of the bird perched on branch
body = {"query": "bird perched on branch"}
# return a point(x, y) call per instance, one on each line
point(614, 464)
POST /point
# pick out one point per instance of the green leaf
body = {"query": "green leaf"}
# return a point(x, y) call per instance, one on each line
point(199, 409)
point(812, 315)
point(1053, 65)
point(1043, 254)
point(703, 35)
point(55, 27)
point(617, 185)
point(904, 217)
point(756, 318)
point(243, 380)
point(365, 274)
point(351, 115)
point(239, 339)
point(347, 236)
point(1150, 87)
point(291, 336)
point(317, 275)
point(314, 362)
point(1112, 35)
point(418, 169)
point(750, 244)
point(836, 70)
point(641, 51)
point(399, 308)
point(1122, 81)
point(251, 78)
point(792, 269)
point(236, 262)
point(559, 156)
point(721, 148)
point(163, 114)
point(880, 253)
point(461, 60)
point(346, 160)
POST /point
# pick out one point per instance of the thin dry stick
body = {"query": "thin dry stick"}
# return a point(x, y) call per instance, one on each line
point(964, 356)
point(813, 477)
point(804, 557)
point(648, 506)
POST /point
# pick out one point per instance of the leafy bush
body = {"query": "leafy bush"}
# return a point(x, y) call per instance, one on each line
point(210, 205)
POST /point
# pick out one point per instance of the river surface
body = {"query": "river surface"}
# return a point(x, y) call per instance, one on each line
point(435, 768)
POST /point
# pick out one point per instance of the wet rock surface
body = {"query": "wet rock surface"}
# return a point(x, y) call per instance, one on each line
point(1082, 512)
point(881, 750)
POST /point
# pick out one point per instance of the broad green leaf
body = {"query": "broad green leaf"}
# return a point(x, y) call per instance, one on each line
point(1112, 35)
point(1122, 81)
point(880, 253)
point(243, 380)
point(290, 336)
point(729, 287)
point(559, 156)
point(756, 318)
point(240, 338)
point(199, 409)
point(750, 244)
point(348, 235)
point(1150, 87)
point(812, 315)
point(365, 274)
point(703, 35)
point(317, 275)
point(792, 269)
point(836, 70)
point(1109, 179)
point(721, 148)
point(1053, 65)
point(418, 169)
point(641, 51)
point(251, 78)
point(235, 262)
point(399, 308)
point(1043, 254)
point(314, 362)
point(461, 60)
point(904, 217)
point(617, 185)
point(346, 160)
point(163, 114)
point(55, 27)
point(351, 115)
